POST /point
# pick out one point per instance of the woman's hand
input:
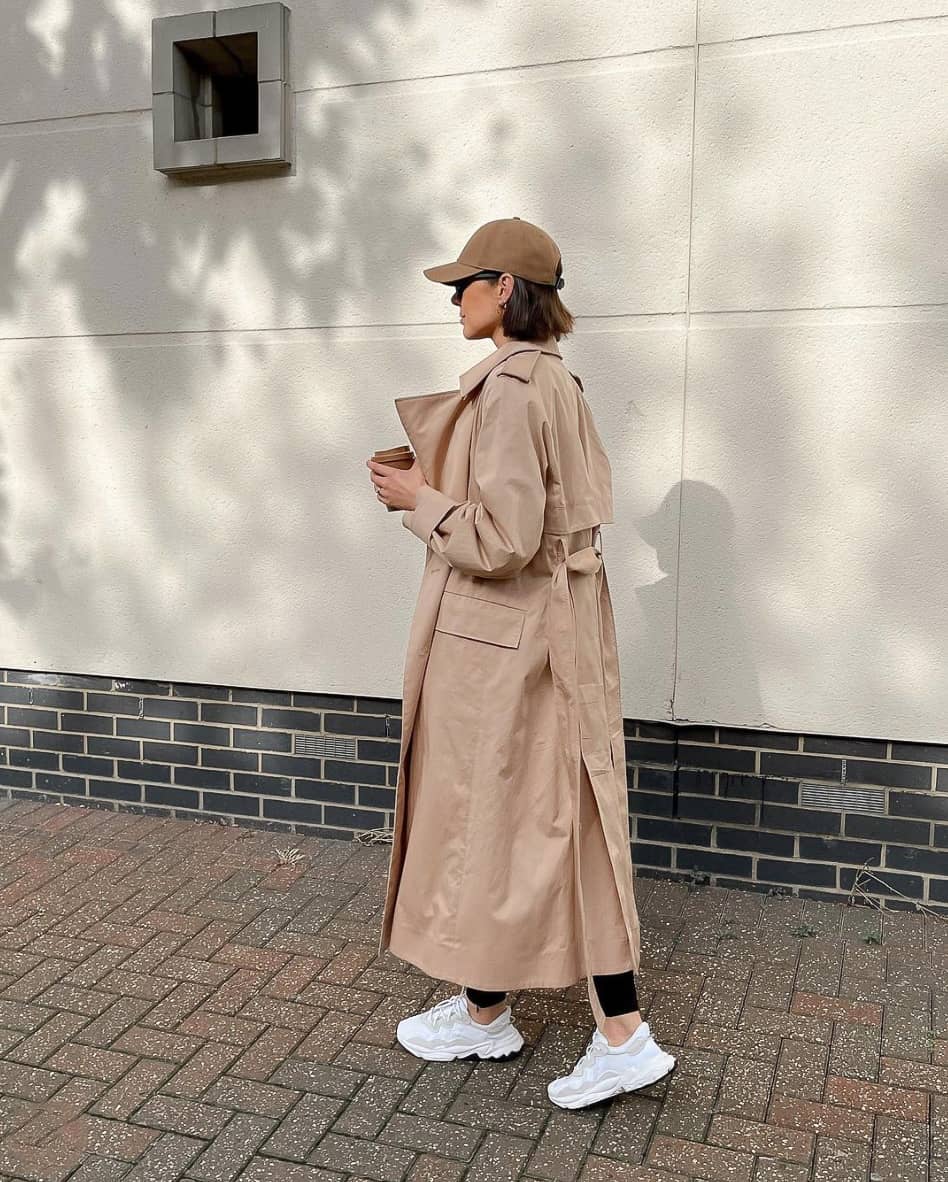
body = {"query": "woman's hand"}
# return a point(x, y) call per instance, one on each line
point(397, 487)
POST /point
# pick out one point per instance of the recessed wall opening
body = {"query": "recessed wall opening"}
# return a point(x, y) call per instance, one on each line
point(217, 93)
point(221, 95)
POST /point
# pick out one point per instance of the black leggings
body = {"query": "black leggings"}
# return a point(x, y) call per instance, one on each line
point(616, 993)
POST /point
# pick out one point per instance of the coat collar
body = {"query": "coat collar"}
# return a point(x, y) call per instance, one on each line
point(516, 357)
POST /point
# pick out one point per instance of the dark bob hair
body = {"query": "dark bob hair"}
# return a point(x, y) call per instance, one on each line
point(534, 312)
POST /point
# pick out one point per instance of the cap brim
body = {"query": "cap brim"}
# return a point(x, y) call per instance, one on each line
point(450, 272)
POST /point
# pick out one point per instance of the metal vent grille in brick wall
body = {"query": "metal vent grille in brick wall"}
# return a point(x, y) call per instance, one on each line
point(339, 747)
point(843, 800)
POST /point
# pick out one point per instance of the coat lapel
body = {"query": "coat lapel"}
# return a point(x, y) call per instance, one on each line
point(438, 427)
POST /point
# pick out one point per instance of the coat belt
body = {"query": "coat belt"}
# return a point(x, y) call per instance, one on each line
point(574, 665)
point(576, 597)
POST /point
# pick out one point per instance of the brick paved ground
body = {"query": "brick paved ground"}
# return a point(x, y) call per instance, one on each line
point(174, 1005)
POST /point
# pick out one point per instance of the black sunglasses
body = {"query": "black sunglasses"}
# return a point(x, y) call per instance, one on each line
point(461, 284)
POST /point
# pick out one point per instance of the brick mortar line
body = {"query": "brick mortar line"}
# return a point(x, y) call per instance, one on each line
point(350, 707)
point(372, 807)
point(647, 764)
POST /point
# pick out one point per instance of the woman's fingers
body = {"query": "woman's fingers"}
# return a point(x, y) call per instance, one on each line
point(375, 478)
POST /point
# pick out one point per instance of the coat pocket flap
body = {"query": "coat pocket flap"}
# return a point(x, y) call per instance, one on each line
point(480, 619)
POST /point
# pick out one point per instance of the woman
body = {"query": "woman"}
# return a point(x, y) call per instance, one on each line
point(510, 864)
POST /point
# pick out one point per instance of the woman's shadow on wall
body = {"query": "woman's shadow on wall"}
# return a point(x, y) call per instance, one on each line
point(715, 676)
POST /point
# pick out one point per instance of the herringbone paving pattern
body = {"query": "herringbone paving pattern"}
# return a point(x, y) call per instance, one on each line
point(175, 1004)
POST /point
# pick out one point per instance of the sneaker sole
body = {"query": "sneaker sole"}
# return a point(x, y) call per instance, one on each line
point(595, 1098)
point(508, 1048)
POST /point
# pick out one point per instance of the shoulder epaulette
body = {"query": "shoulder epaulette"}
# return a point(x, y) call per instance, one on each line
point(520, 365)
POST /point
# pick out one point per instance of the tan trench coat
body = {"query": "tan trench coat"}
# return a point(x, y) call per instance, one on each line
point(510, 865)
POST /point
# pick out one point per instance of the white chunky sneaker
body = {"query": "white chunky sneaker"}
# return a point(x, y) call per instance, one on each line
point(605, 1070)
point(447, 1031)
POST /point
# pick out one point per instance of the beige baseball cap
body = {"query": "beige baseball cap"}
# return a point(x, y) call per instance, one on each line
point(508, 244)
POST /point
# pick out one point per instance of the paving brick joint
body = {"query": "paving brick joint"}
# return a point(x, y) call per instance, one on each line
point(182, 1000)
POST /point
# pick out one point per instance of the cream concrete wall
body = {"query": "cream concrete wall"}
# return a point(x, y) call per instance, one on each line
point(752, 225)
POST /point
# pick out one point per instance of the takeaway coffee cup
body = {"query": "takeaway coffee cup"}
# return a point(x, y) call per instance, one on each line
point(395, 457)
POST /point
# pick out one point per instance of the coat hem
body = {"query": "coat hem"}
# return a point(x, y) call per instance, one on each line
point(442, 964)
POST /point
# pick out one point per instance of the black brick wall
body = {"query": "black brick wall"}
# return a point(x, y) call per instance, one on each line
point(707, 804)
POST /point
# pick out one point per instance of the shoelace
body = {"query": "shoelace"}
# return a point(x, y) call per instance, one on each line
point(447, 1010)
point(592, 1052)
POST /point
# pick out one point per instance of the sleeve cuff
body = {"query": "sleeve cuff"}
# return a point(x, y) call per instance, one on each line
point(431, 506)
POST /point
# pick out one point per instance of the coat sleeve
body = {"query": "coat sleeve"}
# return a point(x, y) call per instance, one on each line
point(498, 535)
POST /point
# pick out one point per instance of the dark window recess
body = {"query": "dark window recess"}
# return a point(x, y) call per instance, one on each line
point(221, 87)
